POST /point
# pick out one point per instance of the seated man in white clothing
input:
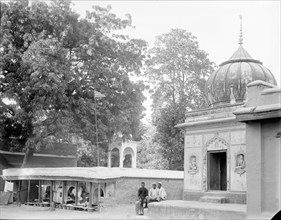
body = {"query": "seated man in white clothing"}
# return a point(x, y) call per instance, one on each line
point(153, 195)
point(162, 192)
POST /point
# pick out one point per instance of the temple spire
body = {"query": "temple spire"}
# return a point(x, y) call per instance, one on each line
point(241, 33)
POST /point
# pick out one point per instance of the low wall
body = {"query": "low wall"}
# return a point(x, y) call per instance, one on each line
point(127, 188)
point(117, 184)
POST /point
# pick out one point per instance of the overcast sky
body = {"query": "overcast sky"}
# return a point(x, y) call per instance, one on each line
point(215, 24)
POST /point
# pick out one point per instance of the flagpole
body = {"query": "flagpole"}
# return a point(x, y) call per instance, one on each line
point(97, 95)
point(97, 136)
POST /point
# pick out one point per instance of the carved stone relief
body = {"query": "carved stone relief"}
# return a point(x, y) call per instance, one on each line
point(193, 167)
point(238, 168)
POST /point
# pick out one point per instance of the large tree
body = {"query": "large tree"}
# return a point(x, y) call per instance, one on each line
point(178, 70)
point(149, 152)
point(52, 62)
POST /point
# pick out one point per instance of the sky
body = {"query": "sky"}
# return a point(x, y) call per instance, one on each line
point(216, 25)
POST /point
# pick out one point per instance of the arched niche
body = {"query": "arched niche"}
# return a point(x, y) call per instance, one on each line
point(128, 157)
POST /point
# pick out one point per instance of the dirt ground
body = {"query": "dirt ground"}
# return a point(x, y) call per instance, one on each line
point(33, 212)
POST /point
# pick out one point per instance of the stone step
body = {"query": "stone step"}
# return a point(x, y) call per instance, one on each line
point(213, 199)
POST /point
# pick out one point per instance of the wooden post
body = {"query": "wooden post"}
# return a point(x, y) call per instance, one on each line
point(104, 191)
point(91, 195)
point(99, 197)
point(40, 192)
point(19, 182)
point(115, 188)
point(63, 192)
point(76, 193)
point(51, 193)
point(28, 190)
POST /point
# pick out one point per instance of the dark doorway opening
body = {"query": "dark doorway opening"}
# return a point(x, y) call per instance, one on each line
point(127, 163)
point(217, 171)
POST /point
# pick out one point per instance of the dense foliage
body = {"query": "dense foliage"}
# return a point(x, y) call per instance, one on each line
point(150, 155)
point(178, 70)
point(51, 63)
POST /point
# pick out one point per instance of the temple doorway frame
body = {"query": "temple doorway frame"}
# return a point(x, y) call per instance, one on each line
point(215, 144)
point(217, 170)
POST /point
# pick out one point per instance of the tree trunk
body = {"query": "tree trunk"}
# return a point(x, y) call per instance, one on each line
point(27, 156)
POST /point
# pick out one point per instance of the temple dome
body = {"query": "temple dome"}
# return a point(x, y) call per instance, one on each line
point(228, 83)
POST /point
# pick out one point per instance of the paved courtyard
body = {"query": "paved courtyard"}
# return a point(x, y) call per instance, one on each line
point(33, 212)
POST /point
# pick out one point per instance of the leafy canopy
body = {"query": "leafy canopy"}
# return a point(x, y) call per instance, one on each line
point(51, 63)
point(178, 70)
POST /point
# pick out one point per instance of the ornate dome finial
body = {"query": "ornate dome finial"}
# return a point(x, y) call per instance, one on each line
point(241, 33)
point(228, 84)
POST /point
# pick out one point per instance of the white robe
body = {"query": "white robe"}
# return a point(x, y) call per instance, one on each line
point(153, 193)
point(162, 193)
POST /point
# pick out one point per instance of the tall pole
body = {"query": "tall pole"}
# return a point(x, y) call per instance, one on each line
point(97, 136)
point(28, 191)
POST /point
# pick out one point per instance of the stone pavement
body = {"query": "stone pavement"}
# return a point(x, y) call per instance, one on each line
point(33, 212)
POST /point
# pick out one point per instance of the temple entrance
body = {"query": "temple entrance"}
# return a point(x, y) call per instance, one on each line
point(217, 171)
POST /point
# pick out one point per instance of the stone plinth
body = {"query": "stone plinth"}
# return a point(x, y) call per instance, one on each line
point(213, 199)
point(231, 197)
point(179, 209)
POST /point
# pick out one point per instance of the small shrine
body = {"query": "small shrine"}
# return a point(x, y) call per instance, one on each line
point(215, 162)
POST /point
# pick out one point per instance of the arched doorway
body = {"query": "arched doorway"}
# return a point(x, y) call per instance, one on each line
point(127, 163)
point(96, 192)
point(95, 196)
point(115, 157)
point(128, 157)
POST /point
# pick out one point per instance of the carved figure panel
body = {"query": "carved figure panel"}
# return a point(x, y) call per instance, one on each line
point(238, 168)
point(193, 169)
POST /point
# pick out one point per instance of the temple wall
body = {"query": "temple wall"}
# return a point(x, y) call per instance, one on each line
point(200, 141)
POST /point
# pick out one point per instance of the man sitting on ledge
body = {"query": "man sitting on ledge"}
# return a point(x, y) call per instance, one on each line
point(162, 192)
point(142, 198)
point(153, 195)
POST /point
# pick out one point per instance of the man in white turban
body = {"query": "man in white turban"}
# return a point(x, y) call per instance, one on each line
point(162, 192)
point(153, 195)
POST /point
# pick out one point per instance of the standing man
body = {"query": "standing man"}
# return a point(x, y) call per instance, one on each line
point(162, 192)
point(153, 195)
point(142, 198)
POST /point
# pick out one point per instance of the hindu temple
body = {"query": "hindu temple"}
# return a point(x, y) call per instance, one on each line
point(215, 148)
